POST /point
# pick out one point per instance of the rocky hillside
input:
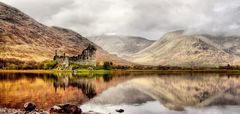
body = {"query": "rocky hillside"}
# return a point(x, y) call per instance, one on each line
point(23, 38)
point(121, 45)
point(178, 49)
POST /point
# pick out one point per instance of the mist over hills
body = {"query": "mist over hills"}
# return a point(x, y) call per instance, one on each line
point(23, 38)
point(178, 49)
point(121, 45)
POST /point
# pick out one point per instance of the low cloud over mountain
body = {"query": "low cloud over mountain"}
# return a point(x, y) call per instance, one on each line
point(123, 46)
point(177, 49)
point(23, 38)
point(144, 18)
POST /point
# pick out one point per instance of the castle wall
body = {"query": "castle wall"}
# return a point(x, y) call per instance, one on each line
point(91, 61)
point(87, 57)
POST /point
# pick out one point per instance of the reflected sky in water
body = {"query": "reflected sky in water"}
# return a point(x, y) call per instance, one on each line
point(136, 93)
point(155, 107)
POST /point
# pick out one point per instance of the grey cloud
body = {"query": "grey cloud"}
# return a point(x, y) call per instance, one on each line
point(148, 18)
point(41, 10)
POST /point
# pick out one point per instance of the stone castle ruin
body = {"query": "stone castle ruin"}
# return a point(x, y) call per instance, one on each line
point(86, 58)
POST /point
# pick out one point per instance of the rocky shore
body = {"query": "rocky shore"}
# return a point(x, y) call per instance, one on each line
point(20, 111)
point(31, 108)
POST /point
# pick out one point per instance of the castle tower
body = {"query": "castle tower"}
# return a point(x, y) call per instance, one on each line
point(55, 56)
point(55, 52)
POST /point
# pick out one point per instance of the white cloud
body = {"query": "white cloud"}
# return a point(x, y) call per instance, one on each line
point(149, 18)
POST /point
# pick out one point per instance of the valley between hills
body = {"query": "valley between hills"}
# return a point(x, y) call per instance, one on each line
point(55, 70)
point(24, 40)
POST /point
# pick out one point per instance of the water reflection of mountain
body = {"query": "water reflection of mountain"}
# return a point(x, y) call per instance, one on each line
point(17, 76)
point(87, 87)
point(91, 84)
point(47, 90)
point(174, 91)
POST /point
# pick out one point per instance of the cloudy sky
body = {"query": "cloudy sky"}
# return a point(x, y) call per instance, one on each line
point(147, 18)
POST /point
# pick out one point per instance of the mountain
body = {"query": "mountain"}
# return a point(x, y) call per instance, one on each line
point(229, 44)
point(121, 45)
point(178, 49)
point(23, 38)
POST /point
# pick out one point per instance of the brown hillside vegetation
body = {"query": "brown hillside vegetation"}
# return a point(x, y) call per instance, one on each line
point(23, 38)
point(179, 49)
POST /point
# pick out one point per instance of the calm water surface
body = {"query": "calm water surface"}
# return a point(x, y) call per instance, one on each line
point(136, 93)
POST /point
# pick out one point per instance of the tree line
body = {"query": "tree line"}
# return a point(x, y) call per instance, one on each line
point(14, 64)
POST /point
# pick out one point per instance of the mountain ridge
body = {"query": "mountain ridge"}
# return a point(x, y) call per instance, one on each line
point(178, 49)
point(23, 38)
point(121, 45)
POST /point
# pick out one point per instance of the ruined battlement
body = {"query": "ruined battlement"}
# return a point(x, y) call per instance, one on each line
point(87, 57)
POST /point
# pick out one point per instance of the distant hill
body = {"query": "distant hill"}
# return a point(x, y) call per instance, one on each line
point(121, 45)
point(23, 38)
point(178, 49)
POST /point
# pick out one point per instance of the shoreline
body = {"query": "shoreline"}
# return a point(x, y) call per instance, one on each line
point(230, 71)
point(52, 71)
